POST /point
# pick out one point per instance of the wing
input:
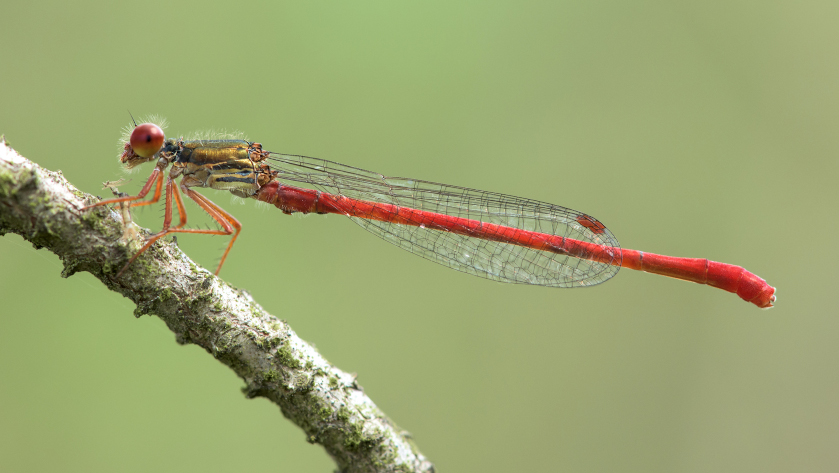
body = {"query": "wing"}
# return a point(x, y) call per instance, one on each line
point(493, 260)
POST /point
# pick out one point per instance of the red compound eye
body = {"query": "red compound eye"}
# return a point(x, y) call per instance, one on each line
point(146, 139)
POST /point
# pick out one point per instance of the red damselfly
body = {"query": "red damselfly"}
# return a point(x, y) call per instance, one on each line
point(495, 236)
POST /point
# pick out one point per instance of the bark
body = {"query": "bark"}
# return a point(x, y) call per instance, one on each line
point(200, 308)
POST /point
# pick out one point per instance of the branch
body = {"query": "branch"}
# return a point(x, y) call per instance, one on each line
point(325, 402)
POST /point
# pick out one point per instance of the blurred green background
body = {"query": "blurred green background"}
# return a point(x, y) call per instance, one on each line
point(701, 129)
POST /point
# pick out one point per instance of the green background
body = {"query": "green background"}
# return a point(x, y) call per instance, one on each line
point(702, 129)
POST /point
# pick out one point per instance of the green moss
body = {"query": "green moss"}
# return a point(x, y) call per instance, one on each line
point(333, 382)
point(324, 413)
point(343, 414)
point(140, 267)
point(224, 324)
point(386, 461)
point(354, 438)
point(285, 357)
point(165, 294)
point(272, 376)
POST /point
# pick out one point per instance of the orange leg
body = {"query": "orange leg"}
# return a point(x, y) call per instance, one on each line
point(156, 175)
point(172, 190)
point(230, 225)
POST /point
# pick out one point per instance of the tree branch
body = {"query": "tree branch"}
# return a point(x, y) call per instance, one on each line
point(325, 402)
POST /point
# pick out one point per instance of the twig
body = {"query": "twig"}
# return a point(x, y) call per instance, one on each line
point(200, 308)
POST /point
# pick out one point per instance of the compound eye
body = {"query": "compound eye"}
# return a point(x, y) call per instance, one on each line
point(146, 139)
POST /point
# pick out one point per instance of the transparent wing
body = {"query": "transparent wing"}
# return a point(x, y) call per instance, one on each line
point(498, 261)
